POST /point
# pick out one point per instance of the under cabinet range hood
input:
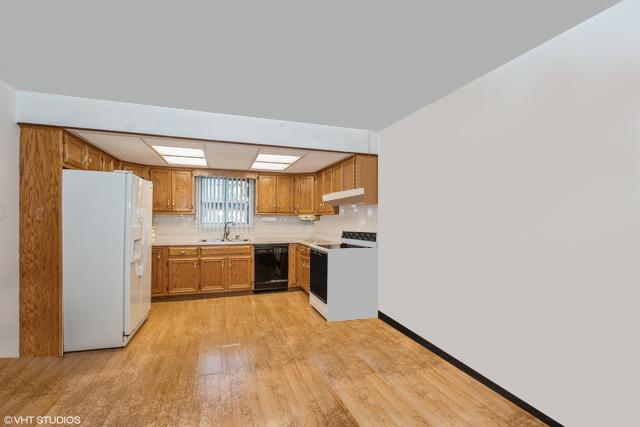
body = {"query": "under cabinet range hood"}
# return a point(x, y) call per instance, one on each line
point(347, 197)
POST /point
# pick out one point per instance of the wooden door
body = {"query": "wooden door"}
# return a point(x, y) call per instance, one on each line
point(266, 192)
point(300, 268)
point(182, 191)
point(336, 177)
point(239, 275)
point(94, 159)
point(74, 152)
point(213, 274)
point(157, 272)
point(286, 194)
point(161, 179)
point(182, 276)
point(327, 186)
point(305, 194)
point(349, 173)
point(108, 163)
point(307, 272)
point(139, 170)
point(292, 265)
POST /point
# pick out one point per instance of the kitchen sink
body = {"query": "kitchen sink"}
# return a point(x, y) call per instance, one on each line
point(223, 240)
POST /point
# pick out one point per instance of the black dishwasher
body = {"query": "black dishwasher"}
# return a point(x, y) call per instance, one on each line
point(271, 267)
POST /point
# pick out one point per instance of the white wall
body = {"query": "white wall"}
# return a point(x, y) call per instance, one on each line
point(519, 250)
point(9, 149)
point(98, 114)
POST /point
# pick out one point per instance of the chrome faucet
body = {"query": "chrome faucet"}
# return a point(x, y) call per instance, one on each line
point(225, 235)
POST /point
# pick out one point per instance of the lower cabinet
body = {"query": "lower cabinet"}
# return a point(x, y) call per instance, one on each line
point(293, 249)
point(303, 267)
point(182, 270)
point(157, 271)
point(213, 274)
point(183, 277)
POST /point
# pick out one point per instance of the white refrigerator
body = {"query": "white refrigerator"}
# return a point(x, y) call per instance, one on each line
point(106, 257)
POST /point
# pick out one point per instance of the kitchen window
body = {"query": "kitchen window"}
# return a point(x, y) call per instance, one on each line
point(220, 200)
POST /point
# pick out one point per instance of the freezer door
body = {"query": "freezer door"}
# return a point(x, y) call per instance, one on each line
point(138, 255)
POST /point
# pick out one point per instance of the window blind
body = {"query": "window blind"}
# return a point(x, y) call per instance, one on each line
point(221, 200)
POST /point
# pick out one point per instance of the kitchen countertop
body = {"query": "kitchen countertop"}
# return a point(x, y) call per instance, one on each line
point(310, 241)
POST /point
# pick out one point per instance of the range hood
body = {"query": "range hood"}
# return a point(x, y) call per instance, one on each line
point(347, 197)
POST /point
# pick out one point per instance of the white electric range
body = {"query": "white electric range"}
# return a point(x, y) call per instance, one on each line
point(344, 277)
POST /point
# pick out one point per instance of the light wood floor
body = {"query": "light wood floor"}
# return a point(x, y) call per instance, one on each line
point(254, 360)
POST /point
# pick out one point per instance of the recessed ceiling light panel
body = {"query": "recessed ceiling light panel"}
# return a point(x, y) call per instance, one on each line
point(164, 150)
point(276, 158)
point(270, 166)
point(186, 161)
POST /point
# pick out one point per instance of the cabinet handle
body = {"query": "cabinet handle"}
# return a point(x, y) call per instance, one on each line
point(194, 265)
point(183, 252)
point(158, 257)
point(168, 203)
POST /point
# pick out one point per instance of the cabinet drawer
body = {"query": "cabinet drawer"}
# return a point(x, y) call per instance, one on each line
point(183, 251)
point(226, 250)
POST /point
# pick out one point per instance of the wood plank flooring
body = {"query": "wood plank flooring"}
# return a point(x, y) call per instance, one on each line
point(254, 360)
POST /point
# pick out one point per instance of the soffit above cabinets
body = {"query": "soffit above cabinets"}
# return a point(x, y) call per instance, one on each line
point(219, 155)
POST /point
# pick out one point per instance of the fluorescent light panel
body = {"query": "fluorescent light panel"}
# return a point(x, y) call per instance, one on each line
point(186, 161)
point(276, 158)
point(269, 166)
point(164, 150)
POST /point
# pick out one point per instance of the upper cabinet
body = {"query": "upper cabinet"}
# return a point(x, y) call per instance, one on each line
point(73, 152)
point(349, 173)
point(305, 194)
point(275, 194)
point(139, 170)
point(173, 191)
point(109, 163)
point(94, 159)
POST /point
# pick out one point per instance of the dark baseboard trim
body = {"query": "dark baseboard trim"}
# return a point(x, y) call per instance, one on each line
point(469, 371)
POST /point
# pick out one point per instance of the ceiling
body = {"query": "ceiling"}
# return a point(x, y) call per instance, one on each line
point(219, 155)
point(357, 64)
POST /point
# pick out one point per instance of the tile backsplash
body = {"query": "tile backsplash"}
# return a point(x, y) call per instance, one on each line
point(351, 218)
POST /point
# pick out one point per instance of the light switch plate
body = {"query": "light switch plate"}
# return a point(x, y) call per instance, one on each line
point(1, 213)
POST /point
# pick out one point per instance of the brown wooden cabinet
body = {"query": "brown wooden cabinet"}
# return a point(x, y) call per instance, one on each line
point(303, 267)
point(173, 191)
point(213, 274)
point(93, 159)
point(336, 177)
point(139, 170)
point(366, 176)
point(305, 194)
point(266, 194)
point(349, 173)
point(240, 273)
point(109, 163)
point(157, 271)
point(161, 179)
point(200, 270)
point(182, 191)
point(324, 185)
point(183, 277)
point(74, 151)
point(275, 194)
point(293, 249)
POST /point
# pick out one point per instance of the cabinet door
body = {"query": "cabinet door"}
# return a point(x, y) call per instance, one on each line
point(108, 163)
point(239, 275)
point(94, 159)
point(182, 276)
point(74, 152)
point(327, 186)
point(182, 191)
point(349, 173)
point(286, 194)
point(139, 170)
point(336, 177)
point(300, 269)
point(266, 192)
point(161, 179)
point(305, 193)
point(292, 265)
point(213, 274)
point(157, 272)
point(367, 177)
